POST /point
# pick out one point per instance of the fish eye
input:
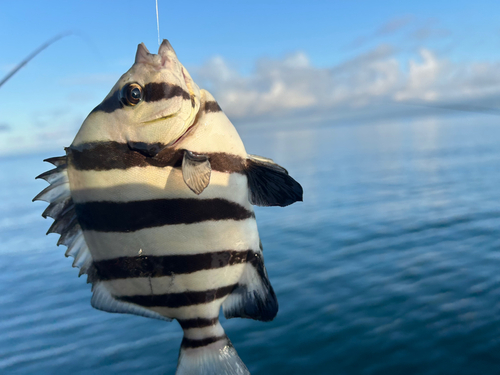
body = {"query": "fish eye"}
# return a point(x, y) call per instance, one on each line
point(131, 94)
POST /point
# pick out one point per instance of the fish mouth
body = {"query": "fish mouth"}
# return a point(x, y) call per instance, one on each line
point(150, 150)
point(166, 117)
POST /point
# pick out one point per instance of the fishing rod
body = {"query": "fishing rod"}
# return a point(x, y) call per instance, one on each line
point(450, 106)
point(32, 55)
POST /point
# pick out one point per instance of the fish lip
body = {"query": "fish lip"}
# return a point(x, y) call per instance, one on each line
point(147, 122)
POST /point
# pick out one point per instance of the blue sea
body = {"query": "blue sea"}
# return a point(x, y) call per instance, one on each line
point(391, 265)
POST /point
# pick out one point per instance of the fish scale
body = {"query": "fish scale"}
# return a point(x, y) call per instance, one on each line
point(154, 200)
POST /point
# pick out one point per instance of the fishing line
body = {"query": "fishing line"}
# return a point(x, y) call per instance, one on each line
point(158, 23)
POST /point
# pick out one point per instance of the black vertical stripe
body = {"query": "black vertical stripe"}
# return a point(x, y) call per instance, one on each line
point(168, 265)
point(110, 104)
point(191, 343)
point(156, 91)
point(197, 322)
point(153, 92)
point(212, 107)
point(175, 300)
point(102, 156)
point(136, 215)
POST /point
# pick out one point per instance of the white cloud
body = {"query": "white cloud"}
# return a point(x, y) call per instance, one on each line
point(281, 86)
point(438, 80)
point(422, 78)
point(278, 87)
point(275, 86)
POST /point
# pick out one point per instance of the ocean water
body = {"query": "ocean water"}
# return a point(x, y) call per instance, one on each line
point(391, 265)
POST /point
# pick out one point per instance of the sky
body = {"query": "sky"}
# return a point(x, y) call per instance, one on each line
point(266, 62)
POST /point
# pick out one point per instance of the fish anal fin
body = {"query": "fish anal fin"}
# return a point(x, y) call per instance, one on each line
point(196, 171)
point(270, 184)
point(254, 297)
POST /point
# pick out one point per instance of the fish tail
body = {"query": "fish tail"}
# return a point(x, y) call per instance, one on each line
point(206, 350)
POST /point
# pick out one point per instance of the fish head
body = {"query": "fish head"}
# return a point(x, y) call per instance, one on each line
point(154, 103)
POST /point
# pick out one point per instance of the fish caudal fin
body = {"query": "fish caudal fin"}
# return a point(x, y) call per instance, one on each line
point(218, 358)
point(206, 350)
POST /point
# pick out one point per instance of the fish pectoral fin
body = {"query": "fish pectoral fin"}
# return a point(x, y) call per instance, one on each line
point(196, 171)
point(270, 184)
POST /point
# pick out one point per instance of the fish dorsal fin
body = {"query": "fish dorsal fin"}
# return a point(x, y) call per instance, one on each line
point(196, 171)
point(103, 299)
point(270, 184)
point(62, 209)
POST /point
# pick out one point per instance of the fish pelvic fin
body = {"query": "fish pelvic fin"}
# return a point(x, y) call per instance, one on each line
point(270, 184)
point(206, 350)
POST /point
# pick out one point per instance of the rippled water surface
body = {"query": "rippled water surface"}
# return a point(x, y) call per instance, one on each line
point(390, 266)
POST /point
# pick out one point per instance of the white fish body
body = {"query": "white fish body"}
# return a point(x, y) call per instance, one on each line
point(154, 201)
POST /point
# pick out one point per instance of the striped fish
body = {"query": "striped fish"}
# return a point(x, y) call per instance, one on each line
point(154, 201)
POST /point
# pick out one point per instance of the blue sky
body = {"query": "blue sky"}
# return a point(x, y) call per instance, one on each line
point(261, 59)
